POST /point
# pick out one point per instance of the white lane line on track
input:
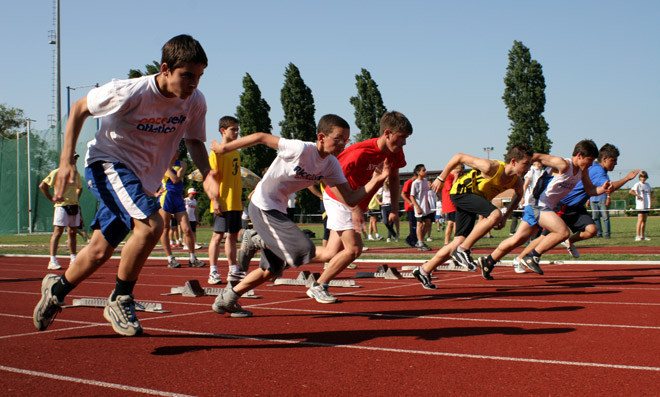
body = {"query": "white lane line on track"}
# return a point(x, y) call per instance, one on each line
point(97, 383)
point(429, 353)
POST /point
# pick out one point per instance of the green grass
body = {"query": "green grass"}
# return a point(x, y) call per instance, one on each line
point(623, 233)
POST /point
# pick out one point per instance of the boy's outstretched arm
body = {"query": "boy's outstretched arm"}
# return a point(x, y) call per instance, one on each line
point(353, 197)
point(487, 168)
point(197, 151)
point(256, 138)
point(548, 160)
point(67, 169)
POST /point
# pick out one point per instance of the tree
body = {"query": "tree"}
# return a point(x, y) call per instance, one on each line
point(152, 68)
point(12, 120)
point(298, 106)
point(524, 97)
point(252, 114)
point(298, 123)
point(368, 105)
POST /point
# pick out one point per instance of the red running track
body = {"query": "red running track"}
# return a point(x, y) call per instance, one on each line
point(578, 329)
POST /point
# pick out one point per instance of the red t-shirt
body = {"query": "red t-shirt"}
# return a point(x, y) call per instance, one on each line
point(406, 189)
point(359, 161)
point(447, 205)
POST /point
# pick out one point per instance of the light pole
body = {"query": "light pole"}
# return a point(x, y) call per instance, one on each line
point(488, 150)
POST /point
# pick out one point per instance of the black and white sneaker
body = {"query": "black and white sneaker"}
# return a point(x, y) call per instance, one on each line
point(532, 263)
point(485, 269)
point(463, 258)
point(425, 280)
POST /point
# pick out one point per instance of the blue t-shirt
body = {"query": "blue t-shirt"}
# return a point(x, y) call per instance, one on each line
point(578, 197)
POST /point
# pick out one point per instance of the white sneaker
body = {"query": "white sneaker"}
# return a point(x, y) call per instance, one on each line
point(378, 237)
point(370, 238)
point(638, 238)
point(646, 238)
point(320, 294)
point(429, 239)
point(185, 247)
point(518, 266)
point(389, 240)
point(214, 278)
point(54, 265)
point(198, 246)
point(571, 248)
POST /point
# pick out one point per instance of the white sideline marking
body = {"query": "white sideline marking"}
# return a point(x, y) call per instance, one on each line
point(107, 385)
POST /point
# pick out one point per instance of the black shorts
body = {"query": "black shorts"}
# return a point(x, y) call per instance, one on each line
point(468, 206)
point(228, 222)
point(450, 216)
point(575, 217)
point(430, 217)
point(193, 226)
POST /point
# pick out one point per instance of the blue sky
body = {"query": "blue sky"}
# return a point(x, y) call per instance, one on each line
point(442, 63)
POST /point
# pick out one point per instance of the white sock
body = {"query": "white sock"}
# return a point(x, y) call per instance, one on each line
point(233, 269)
point(213, 268)
point(73, 257)
point(192, 257)
point(422, 271)
point(170, 258)
point(53, 258)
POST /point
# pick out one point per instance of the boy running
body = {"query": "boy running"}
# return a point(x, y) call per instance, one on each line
point(557, 180)
point(359, 162)
point(297, 166)
point(144, 120)
point(471, 194)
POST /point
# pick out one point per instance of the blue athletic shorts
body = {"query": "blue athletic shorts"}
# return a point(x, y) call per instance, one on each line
point(121, 199)
point(172, 203)
point(532, 214)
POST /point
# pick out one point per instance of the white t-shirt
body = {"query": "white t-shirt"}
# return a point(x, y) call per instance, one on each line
point(419, 189)
point(386, 196)
point(141, 128)
point(643, 190)
point(191, 209)
point(297, 166)
point(559, 186)
point(533, 174)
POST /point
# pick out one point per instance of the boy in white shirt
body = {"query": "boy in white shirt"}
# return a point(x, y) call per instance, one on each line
point(297, 166)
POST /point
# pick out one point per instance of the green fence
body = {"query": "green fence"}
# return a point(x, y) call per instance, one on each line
point(23, 204)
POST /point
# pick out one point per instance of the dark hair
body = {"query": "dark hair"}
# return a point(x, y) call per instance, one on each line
point(608, 151)
point(643, 174)
point(418, 168)
point(519, 151)
point(587, 148)
point(327, 122)
point(395, 122)
point(182, 49)
point(228, 121)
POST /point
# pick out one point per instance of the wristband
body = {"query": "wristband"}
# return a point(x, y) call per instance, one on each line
point(440, 179)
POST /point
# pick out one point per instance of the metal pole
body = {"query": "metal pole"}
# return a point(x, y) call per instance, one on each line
point(29, 179)
point(18, 185)
point(58, 89)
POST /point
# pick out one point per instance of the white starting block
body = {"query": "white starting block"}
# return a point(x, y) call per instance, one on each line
point(192, 288)
point(385, 272)
point(307, 279)
point(151, 307)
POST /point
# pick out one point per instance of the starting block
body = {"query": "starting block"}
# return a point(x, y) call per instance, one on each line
point(385, 272)
point(192, 288)
point(151, 307)
point(451, 267)
point(307, 279)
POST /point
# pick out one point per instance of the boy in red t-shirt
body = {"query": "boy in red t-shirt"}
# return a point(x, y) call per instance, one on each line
point(359, 161)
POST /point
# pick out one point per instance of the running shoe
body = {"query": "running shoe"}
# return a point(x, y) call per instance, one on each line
point(196, 263)
point(646, 238)
point(49, 306)
point(425, 280)
point(121, 314)
point(532, 263)
point(571, 248)
point(518, 266)
point(214, 278)
point(463, 258)
point(485, 269)
point(236, 276)
point(54, 264)
point(173, 263)
point(320, 294)
point(227, 302)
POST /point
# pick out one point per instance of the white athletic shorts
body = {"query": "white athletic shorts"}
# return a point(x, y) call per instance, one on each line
point(340, 216)
point(61, 218)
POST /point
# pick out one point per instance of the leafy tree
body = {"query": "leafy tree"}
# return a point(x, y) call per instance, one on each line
point(252, 115)
point(368, 105)
point(298, 106)
point(11, 121)
point(152, 68)
point(524, 97)
point(298, 123)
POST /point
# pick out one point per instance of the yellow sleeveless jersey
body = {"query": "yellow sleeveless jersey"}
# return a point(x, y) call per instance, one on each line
point(474, 182)
point(229, 165)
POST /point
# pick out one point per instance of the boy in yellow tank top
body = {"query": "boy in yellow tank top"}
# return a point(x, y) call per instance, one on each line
point(471, 194)
point(229, 222)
